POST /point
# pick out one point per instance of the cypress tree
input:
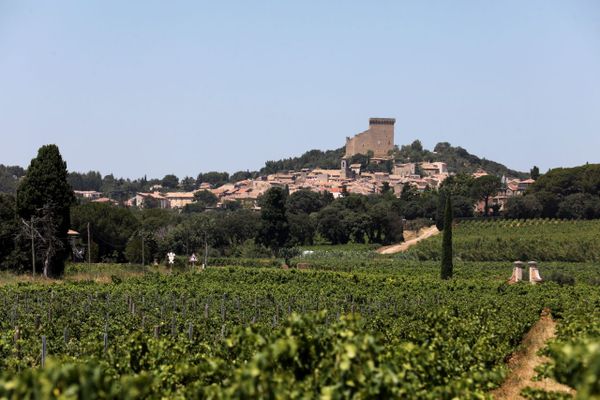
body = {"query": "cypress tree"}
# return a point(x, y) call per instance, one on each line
point(45, 195)
point(446, 271)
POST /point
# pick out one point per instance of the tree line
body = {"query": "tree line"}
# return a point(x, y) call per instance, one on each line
point(567, 193)
point(35, 221)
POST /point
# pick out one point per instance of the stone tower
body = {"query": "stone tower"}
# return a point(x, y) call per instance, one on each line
point(379, 138)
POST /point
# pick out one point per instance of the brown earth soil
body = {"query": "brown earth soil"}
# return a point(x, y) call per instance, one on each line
point(410, 239)
point(523, 362)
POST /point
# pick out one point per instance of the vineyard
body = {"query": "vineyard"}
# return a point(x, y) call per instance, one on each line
point(388, 329)
point(509, 240)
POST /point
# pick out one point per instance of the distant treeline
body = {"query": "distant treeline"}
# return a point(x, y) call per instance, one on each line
point(285, 220)
point(458, 160)
point(570, 193)
point(300, 218)
point(329, 159)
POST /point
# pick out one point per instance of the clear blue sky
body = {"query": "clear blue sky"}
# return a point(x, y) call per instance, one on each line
point(155, 87)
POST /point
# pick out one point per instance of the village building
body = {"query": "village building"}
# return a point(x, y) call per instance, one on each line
point(510, 188)
point(377, 141)
point(141, 200)
point(105, 200)
point(87, 194)
point(179, 199)
point(433, 168)
point(479, 173)
point(405, 169)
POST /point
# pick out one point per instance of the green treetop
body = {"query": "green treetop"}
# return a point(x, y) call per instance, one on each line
point(45, 195)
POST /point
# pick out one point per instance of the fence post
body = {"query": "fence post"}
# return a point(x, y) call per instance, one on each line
point(43, 351)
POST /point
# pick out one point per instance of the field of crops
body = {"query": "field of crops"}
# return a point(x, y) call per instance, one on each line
point(510, 240)
point(387, 329)
point(575, 353)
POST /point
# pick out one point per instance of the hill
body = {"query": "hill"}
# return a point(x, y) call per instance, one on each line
point(328, 159)
point(457, 158)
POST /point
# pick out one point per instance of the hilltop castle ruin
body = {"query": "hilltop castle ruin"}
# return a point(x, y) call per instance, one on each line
point(379, 138)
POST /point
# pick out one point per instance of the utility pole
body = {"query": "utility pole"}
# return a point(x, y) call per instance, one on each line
point(205, 251)
point(89, 249)
point(32, 245)
point(143, 263)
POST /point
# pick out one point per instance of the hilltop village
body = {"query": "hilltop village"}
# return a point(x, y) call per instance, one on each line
point(376, 144)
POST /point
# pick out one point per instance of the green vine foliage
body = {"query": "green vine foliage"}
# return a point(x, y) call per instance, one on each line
point(510, 240)
point(388, 329)
point(575, 353)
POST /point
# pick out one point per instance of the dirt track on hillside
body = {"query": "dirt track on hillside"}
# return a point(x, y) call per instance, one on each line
point(400, 247)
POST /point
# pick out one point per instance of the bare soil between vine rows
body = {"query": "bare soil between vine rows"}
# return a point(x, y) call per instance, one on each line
point(522, 363)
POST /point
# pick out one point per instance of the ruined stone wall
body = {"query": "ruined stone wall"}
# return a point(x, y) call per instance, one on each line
point(379, 138)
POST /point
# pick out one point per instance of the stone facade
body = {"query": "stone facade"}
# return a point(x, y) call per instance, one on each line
point(405, 170)
point(379, 138)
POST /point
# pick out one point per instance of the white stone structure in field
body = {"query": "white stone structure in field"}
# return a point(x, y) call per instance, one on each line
point(517, 274)
point(534, 272)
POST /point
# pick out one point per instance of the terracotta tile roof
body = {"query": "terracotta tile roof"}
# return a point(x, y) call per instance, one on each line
point(180, 195)
point(104, 200)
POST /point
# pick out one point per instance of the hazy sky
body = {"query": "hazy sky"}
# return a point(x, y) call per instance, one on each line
point(157, 87)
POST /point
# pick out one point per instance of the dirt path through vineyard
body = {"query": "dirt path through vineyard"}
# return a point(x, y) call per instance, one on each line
point(397, 248)
point(523, 362)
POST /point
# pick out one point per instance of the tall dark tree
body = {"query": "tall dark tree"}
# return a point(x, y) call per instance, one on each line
point(91, 180)
point(579, 206)
point(188, 183)
point(446, 271)
point(332, 224)
point(274, 229)
point(459, 185)
point(305, 201)
point(386, 188)
point(170, 181)
point(214, 178)
point(408, 193)
point(484, 188)
point(534, 173)
point(527, 206)
point(205, 198)
point(45, 194)
point(241, 175)
point(444, 193)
